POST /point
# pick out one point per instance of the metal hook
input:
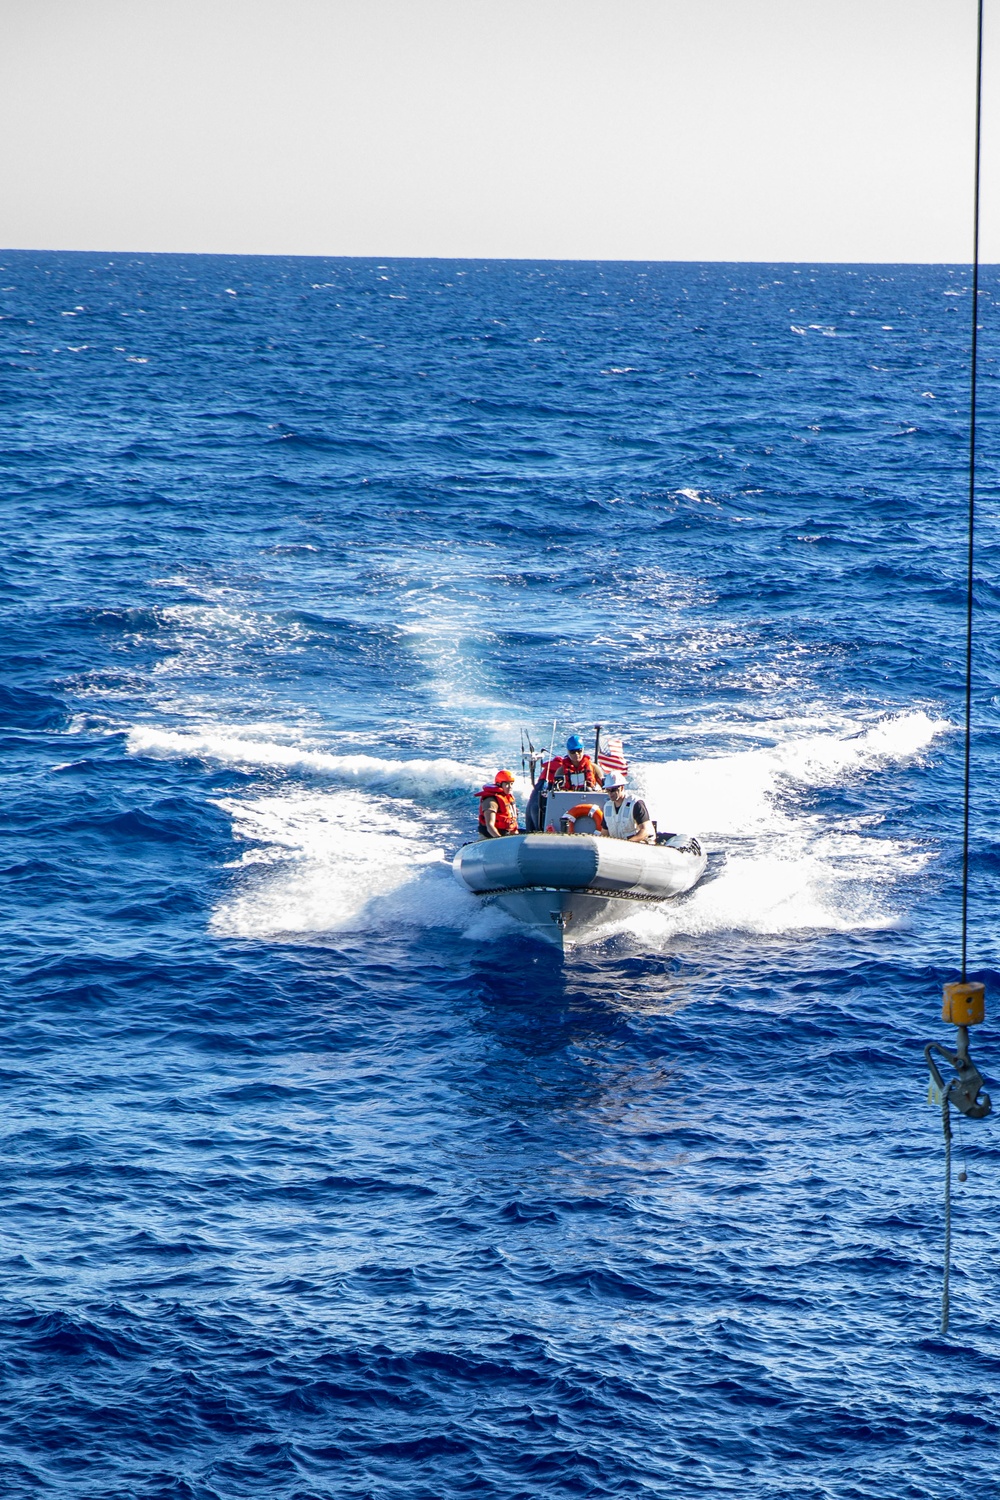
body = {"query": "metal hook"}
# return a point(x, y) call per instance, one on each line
point(963, 1090)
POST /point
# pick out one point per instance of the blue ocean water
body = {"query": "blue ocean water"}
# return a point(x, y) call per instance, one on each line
point(319, 1179)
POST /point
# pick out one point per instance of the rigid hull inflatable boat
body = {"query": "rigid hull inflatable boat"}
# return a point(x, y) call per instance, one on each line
point(564, 885)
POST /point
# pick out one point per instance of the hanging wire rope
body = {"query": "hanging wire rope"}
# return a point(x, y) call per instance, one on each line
point(964, 1002)
point(972, 496)
point(946, 1283)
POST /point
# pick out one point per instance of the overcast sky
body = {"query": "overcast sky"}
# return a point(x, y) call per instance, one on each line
point(587, 129)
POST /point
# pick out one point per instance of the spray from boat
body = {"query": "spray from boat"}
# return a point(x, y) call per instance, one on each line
point(329, 841)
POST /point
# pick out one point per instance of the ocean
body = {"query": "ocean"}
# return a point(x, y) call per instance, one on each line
point(322, 1180)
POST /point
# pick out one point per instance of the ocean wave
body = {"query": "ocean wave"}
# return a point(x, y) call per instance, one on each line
point(321, 1176)
point(748, 791)
point(230, 746)
point(320, 862)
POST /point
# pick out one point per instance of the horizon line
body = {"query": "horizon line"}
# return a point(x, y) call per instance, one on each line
point(630, 260)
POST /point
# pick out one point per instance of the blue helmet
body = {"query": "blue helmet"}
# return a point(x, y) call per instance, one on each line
point(574, 742)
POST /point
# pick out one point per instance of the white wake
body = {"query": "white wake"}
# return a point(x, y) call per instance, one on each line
point(362, 841)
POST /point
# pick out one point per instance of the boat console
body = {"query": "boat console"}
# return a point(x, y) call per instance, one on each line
point(557, 811)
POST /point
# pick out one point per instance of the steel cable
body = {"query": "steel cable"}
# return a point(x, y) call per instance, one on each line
point(946, 1284)
point(972, 495)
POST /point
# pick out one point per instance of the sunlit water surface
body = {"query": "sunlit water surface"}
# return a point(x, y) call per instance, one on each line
point(320, 1179)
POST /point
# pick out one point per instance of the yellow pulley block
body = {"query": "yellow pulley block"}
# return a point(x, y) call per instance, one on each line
point(964, 1004)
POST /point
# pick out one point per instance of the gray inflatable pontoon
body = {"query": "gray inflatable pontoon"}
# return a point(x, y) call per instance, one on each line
point(564, 885)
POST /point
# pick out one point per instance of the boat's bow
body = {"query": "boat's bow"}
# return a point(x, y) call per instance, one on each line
point(565, 885)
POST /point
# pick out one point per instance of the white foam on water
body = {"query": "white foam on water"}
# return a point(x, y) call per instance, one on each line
point(370, 849)
point(326, 862)
point(450, 652)
point(745, 793)
point(447, 636)
point(786, 869)
point(230, 745)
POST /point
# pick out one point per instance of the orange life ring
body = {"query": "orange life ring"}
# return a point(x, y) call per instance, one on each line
point(585, 810)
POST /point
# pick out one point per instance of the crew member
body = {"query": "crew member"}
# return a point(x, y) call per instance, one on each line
point(497, 809)
point(575, 771)
point(625, 816)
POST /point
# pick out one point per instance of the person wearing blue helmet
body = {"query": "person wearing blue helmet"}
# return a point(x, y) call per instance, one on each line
point(575, 770)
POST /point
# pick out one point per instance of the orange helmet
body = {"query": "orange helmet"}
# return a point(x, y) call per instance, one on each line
point(503, 776)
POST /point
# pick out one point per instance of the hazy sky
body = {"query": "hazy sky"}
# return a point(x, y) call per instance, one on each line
point(584, 129)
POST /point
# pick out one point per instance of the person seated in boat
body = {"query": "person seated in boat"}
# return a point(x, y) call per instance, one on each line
point(626, 816)
point(575, 771)
point(497, 808)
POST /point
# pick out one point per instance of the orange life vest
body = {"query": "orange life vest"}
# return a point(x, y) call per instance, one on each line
point(575, 778)
point(505, 818)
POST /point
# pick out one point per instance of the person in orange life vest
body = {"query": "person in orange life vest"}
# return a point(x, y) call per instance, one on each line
point(497, 809)
point(575, 771)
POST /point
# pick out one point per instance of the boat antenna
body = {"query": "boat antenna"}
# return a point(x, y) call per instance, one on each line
point(965, 1001)
point(552, 745)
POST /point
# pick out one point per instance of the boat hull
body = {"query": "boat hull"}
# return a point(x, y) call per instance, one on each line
point(565, 886)
point(563, 917)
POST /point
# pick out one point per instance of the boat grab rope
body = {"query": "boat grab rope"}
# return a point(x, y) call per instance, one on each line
point(964, 1002)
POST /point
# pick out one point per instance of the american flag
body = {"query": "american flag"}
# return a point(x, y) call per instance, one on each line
point(611, 756)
